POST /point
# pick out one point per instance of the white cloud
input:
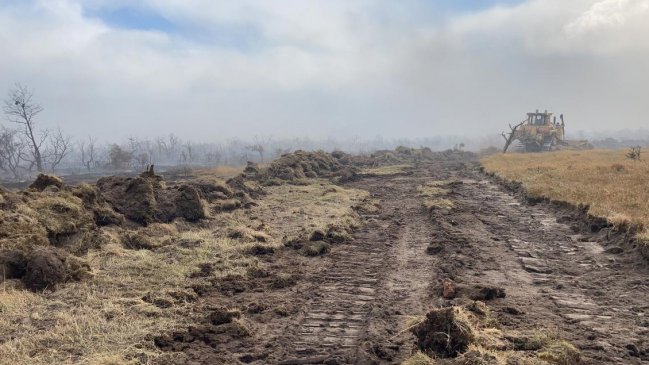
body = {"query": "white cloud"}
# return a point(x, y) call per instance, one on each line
point(328, 67)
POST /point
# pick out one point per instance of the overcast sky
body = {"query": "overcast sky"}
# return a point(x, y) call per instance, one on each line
point(209, 69)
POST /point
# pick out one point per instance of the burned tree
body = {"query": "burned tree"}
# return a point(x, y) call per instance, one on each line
point(59, 147)
point(88, 153)
point(119, 158)
point(258, 147)
point(20, 109)
point(13, 153)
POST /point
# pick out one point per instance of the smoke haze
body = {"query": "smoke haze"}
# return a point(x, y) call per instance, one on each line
point(208, 70)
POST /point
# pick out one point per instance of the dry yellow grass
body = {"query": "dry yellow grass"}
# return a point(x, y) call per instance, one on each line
point(219, 171)
point(108, 318)
point(111, 318)
point(385, 170)
point(419, 359)
point(614, 186)
point(432, 192)
point(296, 210)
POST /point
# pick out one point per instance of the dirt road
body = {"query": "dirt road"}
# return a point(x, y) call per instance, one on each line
point(352, 305)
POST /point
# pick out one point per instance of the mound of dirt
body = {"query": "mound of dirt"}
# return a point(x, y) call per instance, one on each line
point(408, 155)
point(446, 332)
point(43, 267)
point(132, 197)
point(44, 180)
point(302, 164)
point(211, 189)
point(146, 200)
point(252, 170)
point(103, 213)
point(61, 213)
point(20, 230)
point(182, 201)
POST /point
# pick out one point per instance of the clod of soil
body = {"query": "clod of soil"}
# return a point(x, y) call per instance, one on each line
point(46, 266)
point(238, 183)
point(158, 300)
point(252, 170)
point(316, 248)
point(222, 316)
point(317, 235)
point(226, 205)
point(103, 214)
point(247, 234)
point(61, 214)
point(211, 189)
point(446, 332)
point(347, 175)
point(145, 199)
point(20, 230)
point(260, 250)
point(12, 263)
point(181, 201)
point(337, 235)
point(140, 241)
point(434, 248)
point(44, 180)
point(282, 281)
point(487, 293)
point(232, 284)
point(133, 197)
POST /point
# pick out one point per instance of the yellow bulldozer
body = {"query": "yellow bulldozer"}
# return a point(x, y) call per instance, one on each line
point(539, 132)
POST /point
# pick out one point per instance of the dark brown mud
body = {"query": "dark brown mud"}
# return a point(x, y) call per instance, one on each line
point(351, 305)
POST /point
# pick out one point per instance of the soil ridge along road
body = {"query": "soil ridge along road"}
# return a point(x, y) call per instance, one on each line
point(351, 306)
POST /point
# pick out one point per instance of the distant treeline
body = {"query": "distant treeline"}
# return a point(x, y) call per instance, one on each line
point(87, 155)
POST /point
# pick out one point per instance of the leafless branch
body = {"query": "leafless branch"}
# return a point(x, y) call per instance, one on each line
point(20, 109)
point(59, 147)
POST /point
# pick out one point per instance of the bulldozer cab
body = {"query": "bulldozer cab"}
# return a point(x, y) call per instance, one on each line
point(539, 118)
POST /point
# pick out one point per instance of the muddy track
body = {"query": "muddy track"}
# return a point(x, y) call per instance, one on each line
point(351, 306)
point(593, 295)
point(383, 274)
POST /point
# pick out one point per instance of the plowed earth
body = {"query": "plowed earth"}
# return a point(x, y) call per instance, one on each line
point(350, 306)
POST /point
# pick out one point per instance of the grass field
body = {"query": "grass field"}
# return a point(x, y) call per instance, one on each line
point(614, 186)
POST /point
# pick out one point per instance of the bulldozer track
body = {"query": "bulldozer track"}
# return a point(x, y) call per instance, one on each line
point(375, 269)
point(352, 305)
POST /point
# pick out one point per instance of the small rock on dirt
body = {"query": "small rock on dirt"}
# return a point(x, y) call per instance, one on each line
point(448, 289)
point(434, 248)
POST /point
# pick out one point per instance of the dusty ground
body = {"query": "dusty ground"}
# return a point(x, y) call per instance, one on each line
point(352, 305)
